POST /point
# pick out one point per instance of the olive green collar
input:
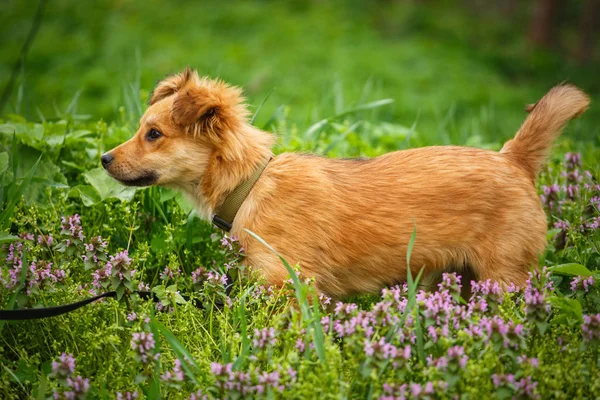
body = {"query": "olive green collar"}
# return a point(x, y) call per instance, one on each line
point(226, 212)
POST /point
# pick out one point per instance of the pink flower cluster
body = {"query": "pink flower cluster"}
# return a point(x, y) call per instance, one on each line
point(76, 387)
point(412, 390)
point(143, 344)
point(39, 273)
point(250, 384)
point(591, 327)
point(217, 279)
point(117, 266)
point(176, 375)
point(264, 337)
point(72, 226)
point(582, 283)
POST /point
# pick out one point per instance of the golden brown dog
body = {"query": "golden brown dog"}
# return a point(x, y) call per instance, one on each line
point(347, 223)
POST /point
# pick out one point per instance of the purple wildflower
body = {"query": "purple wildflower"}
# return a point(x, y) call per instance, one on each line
point(143, 344)
point(572, 161)
point(65, 366)
point(79, 388)
point(169, 273)
point(581, 283)
point(72, 226)
point(264, 338)
point(271, 379)
point(45, 240)
point(550, 197)
point(199, 274)
point(503, 380)
point(217, 279)
point(526, 387)
point(300, 345)
point(534, 362)
point(176, 375)
point(198, 396)
point(127, 395)
point(591, 327)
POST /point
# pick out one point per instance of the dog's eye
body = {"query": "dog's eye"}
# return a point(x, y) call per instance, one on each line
point(153, 134)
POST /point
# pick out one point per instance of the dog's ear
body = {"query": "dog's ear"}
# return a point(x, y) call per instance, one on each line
point(209, 107)
point(172, 84)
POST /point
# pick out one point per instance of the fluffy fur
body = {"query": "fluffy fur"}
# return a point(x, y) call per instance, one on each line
point(348, 222)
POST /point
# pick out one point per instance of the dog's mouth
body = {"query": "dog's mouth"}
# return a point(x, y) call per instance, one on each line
point(146, 179)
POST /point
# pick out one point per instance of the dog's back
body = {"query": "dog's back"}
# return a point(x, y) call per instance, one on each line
point(348, 222)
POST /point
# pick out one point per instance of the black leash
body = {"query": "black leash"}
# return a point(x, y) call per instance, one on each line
point(46, 312)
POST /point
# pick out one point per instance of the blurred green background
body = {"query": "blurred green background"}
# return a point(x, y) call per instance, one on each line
point(456, 69)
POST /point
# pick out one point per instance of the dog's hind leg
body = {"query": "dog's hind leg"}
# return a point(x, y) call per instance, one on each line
point(507, 271)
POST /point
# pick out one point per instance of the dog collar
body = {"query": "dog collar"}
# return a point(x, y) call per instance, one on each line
point(225, 213)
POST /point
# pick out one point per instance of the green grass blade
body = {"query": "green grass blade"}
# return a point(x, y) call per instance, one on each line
point(412, 297)
point(260, 106)
point(16, 196)
point(307, 314)
point(159, 208)
point(363, 107)
point(184, 356)
point(239, 361)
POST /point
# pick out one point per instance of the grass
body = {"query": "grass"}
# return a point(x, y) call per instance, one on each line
point(339, 79)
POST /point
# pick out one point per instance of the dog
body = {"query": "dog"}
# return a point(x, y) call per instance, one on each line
point(348, 222)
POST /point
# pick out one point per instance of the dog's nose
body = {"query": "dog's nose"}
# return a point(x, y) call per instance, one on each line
point(106, 160)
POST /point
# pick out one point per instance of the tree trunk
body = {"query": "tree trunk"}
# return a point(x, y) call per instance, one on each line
point(588, 30)
point(543, 30)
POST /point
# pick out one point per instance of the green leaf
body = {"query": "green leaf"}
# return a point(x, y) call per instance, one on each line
point(50, 183)
point(108, 187)
point(74, 165)
point(571, 269)
point(571, 311)
point(159, 291)
point(179, 298)
point(120, 292)
point(3, 162)
point(87, 193)
point(551, 233)
point(7, 238)
point(167, 194)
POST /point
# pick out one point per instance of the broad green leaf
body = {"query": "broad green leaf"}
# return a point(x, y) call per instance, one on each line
point(571, 311)
point(7, 238)
point(3, 162)
point(89, 196)
point(184, 203)
point(551, 233)
point(108, 187)
point(571, 269)
point(167, 194)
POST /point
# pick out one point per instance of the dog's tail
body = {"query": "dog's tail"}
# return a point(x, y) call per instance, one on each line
point(532, 143)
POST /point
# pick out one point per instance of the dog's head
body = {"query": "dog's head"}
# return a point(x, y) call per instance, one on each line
point(189, 122)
